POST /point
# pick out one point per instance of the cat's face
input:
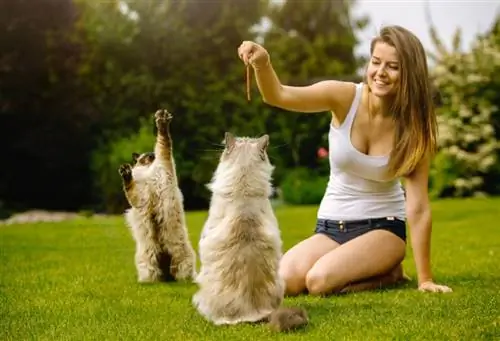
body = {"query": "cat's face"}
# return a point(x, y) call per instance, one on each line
point(144, 159)
point(245, 150)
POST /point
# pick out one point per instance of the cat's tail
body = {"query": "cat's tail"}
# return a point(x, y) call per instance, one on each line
point(286, 319)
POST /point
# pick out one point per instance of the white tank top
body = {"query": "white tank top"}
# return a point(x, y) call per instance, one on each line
point(357, 188)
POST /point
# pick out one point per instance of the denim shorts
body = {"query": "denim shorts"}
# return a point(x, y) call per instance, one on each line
point(342, 231)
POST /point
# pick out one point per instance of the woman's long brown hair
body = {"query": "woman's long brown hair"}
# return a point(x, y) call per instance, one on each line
point(413, 108)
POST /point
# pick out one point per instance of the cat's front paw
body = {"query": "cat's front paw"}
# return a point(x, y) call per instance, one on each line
point(125, 171)
point(163, 118)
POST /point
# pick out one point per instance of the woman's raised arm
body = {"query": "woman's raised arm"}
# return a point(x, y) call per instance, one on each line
point(329, 95)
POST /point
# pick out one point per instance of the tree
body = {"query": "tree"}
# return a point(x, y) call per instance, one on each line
point(44, 119)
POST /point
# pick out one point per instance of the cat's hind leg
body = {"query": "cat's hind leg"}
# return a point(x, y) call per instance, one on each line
point(165, 261)
point(184, 266)
point(147, 249)
point(177, 244)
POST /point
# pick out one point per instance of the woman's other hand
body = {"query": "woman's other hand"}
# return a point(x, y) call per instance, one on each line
point(430, 286)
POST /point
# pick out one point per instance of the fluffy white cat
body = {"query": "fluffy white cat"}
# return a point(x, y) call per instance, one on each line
point(240, 247)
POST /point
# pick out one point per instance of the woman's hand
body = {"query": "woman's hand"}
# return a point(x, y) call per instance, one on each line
point(430, 286)
point(253, 54)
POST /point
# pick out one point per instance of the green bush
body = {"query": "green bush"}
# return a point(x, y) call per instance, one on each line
point(468, 163)
point(107, 159)
point(443, 174)
point(4, 212)
point(302, 186)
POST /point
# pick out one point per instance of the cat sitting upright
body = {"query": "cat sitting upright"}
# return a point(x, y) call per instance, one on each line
point(156, 217)
point(240, 246)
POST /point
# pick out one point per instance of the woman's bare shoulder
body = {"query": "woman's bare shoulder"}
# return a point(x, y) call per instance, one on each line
point(342, 95)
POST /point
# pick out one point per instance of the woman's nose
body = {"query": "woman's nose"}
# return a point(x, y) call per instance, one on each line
point(381, 72)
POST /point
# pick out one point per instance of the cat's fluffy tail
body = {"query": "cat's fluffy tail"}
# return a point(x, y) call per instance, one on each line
point(286, 319)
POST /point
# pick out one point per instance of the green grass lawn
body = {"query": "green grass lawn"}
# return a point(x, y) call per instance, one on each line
point(77, 281)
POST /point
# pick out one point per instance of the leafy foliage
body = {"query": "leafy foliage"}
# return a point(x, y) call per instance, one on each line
point(303, 186)
point(107, 159)
point(45, 119)
point(469, 159)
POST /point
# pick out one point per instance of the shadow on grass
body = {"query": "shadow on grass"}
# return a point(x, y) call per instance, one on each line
point(323, 307)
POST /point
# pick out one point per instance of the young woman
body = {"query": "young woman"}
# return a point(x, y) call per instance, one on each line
point(381, 131)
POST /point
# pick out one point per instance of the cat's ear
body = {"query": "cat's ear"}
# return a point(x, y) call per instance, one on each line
point(135, 156)
point(229, 139)
point(263, 142)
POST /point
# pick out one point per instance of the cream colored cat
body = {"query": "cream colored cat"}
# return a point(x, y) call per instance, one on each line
point(240, 247)
point(156, 218)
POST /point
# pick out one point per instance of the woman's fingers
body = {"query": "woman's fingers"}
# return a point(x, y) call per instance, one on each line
point(245, 51)
point(433, 287)
point(253, 54)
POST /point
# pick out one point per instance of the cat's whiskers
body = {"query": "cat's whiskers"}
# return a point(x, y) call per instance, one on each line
point(272, 157)
point(279, 146)
point(217, 144)
point(211, 150)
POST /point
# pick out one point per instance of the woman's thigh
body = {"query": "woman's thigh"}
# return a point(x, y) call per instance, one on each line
point(371, 254)
point(299, 259)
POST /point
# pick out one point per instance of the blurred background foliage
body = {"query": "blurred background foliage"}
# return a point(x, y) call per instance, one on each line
point(468, 163)
point(80, 83)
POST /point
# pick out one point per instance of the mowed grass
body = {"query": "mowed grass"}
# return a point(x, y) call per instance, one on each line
point(77, 281)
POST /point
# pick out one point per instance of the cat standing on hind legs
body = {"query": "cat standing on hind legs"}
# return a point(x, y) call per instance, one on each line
point(240, 246)
point(156, 217)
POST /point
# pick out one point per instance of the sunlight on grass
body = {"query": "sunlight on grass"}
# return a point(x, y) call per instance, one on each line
point(77, 281)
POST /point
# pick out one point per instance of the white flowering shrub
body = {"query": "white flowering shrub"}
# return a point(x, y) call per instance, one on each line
point(468, 162)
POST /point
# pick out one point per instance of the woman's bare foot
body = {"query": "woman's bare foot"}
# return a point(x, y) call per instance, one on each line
point(393, 277)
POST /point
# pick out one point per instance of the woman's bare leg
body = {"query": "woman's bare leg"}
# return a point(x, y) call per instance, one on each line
point(395, 276)
point(372, 254)
point(298, 260)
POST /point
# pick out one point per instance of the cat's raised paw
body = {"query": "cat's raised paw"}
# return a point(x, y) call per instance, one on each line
point(125, 171)
point(162, 117)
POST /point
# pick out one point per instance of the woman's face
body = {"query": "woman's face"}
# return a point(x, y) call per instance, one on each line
point(383, 71)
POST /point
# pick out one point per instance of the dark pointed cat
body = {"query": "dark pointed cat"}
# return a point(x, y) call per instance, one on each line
point(156, 217)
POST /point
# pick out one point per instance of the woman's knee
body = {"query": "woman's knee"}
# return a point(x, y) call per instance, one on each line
point(294, 280)
point(294, 283)
point(300, 259)
point(320, 282)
